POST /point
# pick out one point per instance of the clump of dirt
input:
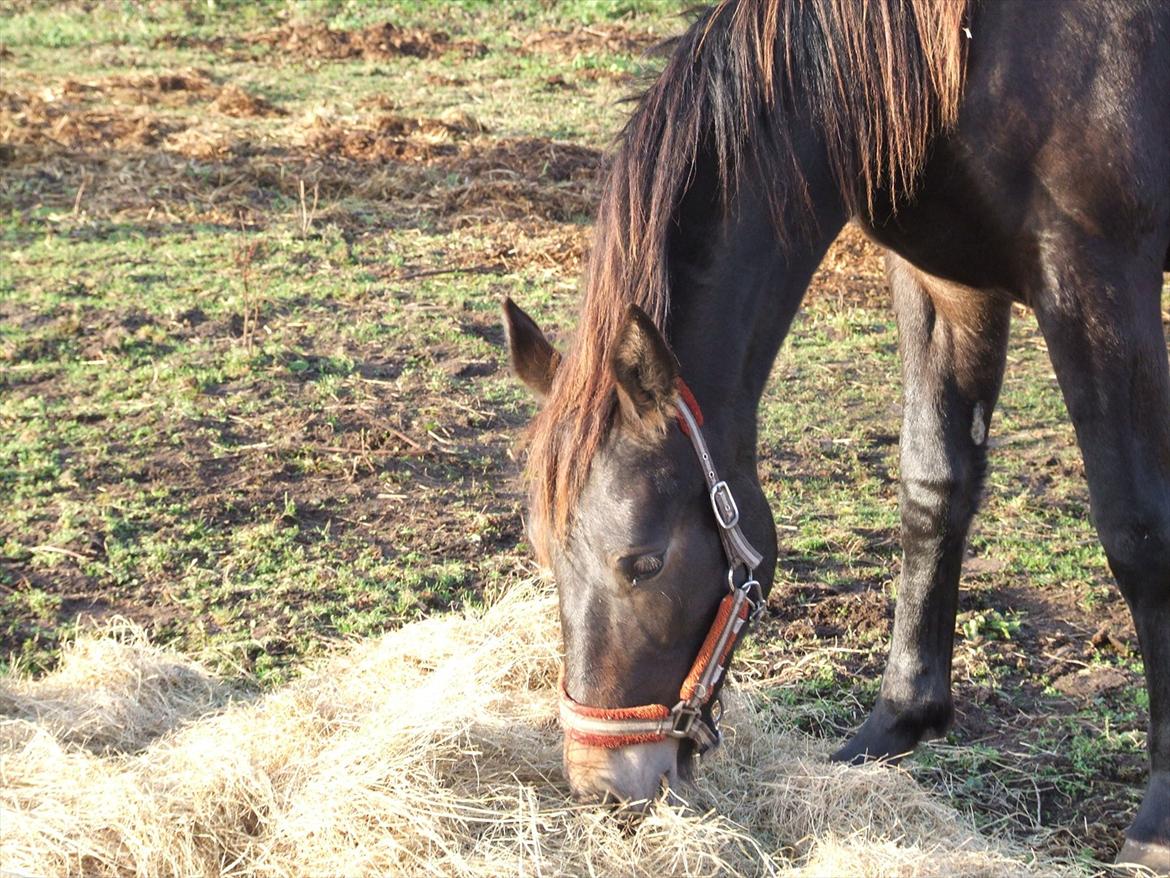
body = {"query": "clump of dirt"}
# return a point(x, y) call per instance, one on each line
point(519, 245)
point(118, 112)
point(383, 137)
point(206, 143)
point(1090, 683)
point(574, 42)
point(507, 179)
point(169, 88)
point(31, 125)
point(535, 157)
point(607, 74)
point(462, 122)
point(511, 180)
point(370, 146)
point(234, 101)
point(378, 42)
point(578, 42)
point(557, 247)
point(378, 103)
point(558, 83)
point(446, 81)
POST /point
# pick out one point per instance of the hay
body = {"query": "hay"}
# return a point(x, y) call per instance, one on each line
point(40, 124)
point(595, 39)
point(431, 751)
point(235, 101)
point(113, 694)
point(60, 150)
point(377, 42)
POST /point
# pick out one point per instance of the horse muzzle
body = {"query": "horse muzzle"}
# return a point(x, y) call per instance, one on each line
point(632, 776)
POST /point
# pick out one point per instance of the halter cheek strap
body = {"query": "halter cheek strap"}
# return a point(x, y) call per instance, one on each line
point(696, 715)
point(736, 547)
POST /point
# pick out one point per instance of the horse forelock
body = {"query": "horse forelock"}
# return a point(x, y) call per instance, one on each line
point(877, 79)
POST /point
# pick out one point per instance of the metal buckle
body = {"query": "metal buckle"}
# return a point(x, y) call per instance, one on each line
point(684, 719)
point(720, 490)
point(755, 596)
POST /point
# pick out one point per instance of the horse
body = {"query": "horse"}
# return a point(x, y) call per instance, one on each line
point(999, 153)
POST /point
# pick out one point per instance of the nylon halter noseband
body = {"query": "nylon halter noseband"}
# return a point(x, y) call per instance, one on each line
point(696, 715)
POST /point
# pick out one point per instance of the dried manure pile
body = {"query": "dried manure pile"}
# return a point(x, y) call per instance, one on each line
point(432, 750)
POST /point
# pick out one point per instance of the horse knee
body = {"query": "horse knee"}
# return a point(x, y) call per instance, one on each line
point(941, 506)
point(1137, 544)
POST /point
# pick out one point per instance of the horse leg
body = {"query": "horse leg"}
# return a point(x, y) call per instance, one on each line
point(1107, 345)
point(953, 343)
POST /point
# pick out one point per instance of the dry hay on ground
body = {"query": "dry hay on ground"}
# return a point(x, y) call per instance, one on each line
point(518, 245)
point(523, 178)
point(171, 88)
point(377, 137)
point(234, 101)
point(433, 750)
point(582, 40)
point(315, 41)
point(378, 42)
point(39, 124)
point(114, 113)
point(65, 151)
point(112, 694)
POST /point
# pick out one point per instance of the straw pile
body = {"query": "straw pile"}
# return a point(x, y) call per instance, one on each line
point(431, 751)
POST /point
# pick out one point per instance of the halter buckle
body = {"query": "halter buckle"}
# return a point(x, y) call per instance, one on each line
point(684, 719)
point(723, 502)
point(754, 592)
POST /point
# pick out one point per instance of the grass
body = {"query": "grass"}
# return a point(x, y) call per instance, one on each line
point(252, 394)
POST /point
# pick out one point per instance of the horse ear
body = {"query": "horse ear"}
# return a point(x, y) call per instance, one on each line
point(534, 360)
point(645, 370)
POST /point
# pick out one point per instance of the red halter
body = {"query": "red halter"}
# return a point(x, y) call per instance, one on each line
point(695, 716)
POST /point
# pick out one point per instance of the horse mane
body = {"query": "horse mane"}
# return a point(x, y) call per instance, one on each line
point(877, 79)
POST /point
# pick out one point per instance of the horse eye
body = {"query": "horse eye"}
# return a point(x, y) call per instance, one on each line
point(639, 568)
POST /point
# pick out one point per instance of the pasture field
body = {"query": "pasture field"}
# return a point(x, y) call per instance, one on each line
point(253, 395)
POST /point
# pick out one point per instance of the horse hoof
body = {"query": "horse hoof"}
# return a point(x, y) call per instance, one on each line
point(1147, 855)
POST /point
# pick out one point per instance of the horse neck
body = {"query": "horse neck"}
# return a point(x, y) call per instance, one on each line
point(737, 282)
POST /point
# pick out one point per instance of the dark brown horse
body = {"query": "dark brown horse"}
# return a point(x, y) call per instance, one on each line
point(1002, 152)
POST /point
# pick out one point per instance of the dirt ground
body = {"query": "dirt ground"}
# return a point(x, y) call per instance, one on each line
point(254, 397)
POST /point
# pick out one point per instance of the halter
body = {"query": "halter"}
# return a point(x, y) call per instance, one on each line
point(696, 715)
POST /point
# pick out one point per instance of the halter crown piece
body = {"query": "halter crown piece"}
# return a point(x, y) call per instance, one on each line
point(696, 715)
